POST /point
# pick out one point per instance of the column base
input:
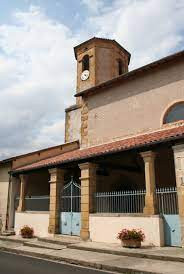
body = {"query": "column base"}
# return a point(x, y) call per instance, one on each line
point(20, 209)
point(84, 234)
point(53, 230)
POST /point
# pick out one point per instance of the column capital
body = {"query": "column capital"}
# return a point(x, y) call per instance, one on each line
point(178, 148)
point(56, 174)
point(23, 177)
point(56, 170)
point(15, 179)
point(88, 165)
point(148, 155)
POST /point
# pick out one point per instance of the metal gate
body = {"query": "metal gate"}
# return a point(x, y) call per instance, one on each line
point(168, 206)
point(70, 222)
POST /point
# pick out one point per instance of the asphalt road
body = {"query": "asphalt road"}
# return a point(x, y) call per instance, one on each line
point(16, 264)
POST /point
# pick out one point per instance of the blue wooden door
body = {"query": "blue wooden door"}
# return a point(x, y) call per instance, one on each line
point(70, 216)
point(65, 223)
point(172, 230)
point(76, 223)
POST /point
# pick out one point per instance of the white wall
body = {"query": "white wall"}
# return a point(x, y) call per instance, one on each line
point(39, 221)
point(106, 228)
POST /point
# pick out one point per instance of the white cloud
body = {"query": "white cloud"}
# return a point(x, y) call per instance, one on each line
point(38, 69)
point(149, 29)
point(93, 6)
point(37, 81)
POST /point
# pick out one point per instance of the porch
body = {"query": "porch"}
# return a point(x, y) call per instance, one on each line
point(130, 189)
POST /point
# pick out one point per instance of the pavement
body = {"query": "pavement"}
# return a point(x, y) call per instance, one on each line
point(107, 257)
point(12, 263)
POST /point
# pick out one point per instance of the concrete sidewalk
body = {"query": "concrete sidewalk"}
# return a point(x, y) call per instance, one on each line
point(155, 253)
point(100, 256)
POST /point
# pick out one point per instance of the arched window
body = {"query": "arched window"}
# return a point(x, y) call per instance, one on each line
point(85, 62)
point(120, 67)
point(175, 113)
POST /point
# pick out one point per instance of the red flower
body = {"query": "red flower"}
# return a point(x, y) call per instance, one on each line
point(131, 234)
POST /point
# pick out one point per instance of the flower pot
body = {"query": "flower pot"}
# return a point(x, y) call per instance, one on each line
point(131, 243)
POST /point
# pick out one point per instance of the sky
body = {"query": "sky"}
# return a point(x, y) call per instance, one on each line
point(37, 64)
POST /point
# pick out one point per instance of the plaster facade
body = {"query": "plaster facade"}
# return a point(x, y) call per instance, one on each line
point(105, 228)
point(73, 125)
point(127, 109)
point(39, 221)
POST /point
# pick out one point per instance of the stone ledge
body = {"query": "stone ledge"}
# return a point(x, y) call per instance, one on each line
point(33, 212)
point(73, 107)
point(124, 215)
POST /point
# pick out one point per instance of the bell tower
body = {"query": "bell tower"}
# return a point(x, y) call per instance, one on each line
point(99, 60)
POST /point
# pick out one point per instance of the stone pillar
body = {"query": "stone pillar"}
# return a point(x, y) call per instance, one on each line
point(13, 191)
point(88, 188)
point(23, 182)
point(150, 198)
point(56, 185)
point(179, 171)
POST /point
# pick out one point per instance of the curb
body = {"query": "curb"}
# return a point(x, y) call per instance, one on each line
point(130, 254)
point(43, 247)
point(76, 262)
point(101, 250)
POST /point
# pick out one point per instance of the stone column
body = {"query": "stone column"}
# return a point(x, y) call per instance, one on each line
point(88, 188)
point(150, 198)
point(23, 182)
point(13, 191)
point(56, 185)
point(179, 171)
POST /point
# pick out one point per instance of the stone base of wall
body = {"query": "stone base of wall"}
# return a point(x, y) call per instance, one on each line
point(105, 227)
point(39, 221)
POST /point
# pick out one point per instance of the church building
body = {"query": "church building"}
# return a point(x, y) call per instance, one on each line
point(122, 163)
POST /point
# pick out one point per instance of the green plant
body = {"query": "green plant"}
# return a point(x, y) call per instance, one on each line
point(26, 232)
point(131, 234)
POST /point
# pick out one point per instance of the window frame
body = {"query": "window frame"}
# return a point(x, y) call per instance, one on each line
point(120, 67)
point(169, 109)
point(85, 62)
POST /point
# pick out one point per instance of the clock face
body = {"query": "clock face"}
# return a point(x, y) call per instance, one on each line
point(85, 75)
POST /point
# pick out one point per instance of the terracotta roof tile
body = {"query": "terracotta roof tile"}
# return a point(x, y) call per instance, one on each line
point(116, 146)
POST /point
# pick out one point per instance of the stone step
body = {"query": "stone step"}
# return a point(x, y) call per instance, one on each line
point(12, 239)
point(60, 240)
point(67, 238)
point(45, 245)
point(8, 233)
